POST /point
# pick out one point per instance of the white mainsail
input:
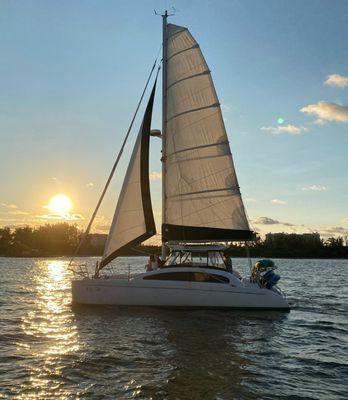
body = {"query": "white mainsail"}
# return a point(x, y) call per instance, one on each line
point(203, 200)
point(133, 220)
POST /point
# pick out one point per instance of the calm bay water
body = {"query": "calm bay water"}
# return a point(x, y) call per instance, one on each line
point(49, 350)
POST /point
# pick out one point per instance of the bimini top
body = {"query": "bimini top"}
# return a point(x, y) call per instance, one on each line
point(197, 248)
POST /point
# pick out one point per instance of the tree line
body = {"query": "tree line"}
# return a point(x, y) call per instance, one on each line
point(61, 239)
point(292, 245)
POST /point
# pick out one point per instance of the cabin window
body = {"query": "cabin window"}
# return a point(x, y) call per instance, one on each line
point(169, 276)
point(208, 278)
point(188, 276)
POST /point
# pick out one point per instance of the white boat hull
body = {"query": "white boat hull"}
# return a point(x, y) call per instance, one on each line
point(163, 293)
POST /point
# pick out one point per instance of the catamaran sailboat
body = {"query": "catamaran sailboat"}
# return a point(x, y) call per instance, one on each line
point(202, 206)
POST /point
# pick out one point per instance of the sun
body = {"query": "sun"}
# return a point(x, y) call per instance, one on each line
point(60, 204)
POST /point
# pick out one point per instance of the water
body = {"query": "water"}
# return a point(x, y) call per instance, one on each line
point(48, 350)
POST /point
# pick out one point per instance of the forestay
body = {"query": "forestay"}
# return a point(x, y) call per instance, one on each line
point(133, 220)
point(203, 200)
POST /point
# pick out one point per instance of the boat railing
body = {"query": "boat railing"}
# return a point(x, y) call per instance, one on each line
point(113, 272)
point(79, 270)
point(120, 276)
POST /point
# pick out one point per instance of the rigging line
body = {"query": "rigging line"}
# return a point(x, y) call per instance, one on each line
point(83, 237)
point(158, 70)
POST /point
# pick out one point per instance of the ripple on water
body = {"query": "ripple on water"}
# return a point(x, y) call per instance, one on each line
point(50, 350)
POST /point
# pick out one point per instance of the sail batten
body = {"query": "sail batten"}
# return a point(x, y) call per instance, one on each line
point(181, 51)
point(133, 220)
point(201, 186)
point(207, 191)
point(188, 77)
point(193, 110)
point(201, 147)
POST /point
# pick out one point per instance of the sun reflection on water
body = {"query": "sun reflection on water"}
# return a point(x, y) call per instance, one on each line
point(51, 326)
point(56, 270)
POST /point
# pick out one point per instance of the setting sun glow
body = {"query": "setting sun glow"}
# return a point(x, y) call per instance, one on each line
point(60, 204)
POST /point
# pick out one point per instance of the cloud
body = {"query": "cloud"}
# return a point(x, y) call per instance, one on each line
point(325, 111)
point(67, 217)
point(227, 107)
point(275, 225)
point(345, 220)
point(102, 228)
point(315, 188)
point(18, 212)
point(250, 200)
point(89, 184)
point(12, 209)
point(269, 221)
point(5, 221)
point(335, 230)
point(12, 206)
point(290, 129)
point(265, 221)
point(155, 176)
point(101, 224)
point(278, 201)
point(337, 80)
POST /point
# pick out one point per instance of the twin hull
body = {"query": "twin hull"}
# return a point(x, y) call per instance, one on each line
point(139, 292)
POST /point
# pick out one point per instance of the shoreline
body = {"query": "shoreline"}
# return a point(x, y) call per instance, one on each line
point(146, 255)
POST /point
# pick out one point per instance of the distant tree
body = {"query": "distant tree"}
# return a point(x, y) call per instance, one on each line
point(5, 240)
point(335, 247)
point(23, 236)
point(334, 242)
point(61, 238)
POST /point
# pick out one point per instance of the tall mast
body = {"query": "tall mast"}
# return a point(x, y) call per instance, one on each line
point(164, 124)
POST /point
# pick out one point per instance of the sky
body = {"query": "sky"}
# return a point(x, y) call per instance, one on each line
point(71, 74)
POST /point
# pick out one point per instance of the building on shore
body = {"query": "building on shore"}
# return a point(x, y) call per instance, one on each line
point(303, 237)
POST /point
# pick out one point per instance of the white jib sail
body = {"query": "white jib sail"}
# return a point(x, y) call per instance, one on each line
point(133, 220)
point(201, 184)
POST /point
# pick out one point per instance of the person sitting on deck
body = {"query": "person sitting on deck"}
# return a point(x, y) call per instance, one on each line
point(152, 265)
point(228, 263)
point(148, 267)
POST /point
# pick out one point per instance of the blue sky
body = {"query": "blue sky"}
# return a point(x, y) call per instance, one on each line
point(71, 74)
